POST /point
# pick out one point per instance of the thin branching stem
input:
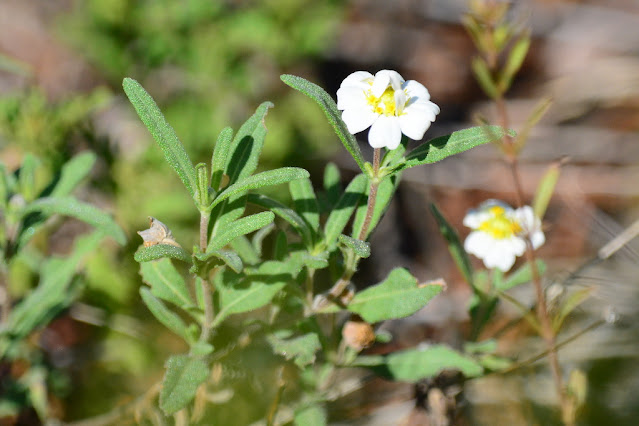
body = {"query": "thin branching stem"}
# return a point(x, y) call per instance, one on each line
point(372, 195)
point(209, 315)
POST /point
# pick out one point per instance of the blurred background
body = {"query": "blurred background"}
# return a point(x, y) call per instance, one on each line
point(210, 63)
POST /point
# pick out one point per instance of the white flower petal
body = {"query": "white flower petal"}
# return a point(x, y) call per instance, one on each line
point(477, 243)
point(416, 91)
point(537, 239)
point(382, 80)
point(414, 122)
point(476, 217)
point(500, 259)
point(351, 97)
point(358, 119)
point(515, 245)
point(358, 79)
point(385, 132)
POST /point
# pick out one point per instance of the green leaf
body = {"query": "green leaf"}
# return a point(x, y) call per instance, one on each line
point(398, 296)
point(243, 247)
point(413, 365)
point(572, 302)
point(455, 246)
point(184, 374)
point(385, 193)
point(484, 77)
point(159, 251)
point(27, 177)
point(513, 63)
point(521, 276)
point(484, 347)
point(281, 246)
point(240, 227)
point(220, 157)
point(53, 292)
point(162, 132)
point(73, 172)
point(246, 147)
point(333, 115)
point(300, 349)
point(286, 213)
point(361, 248)
point(444, 146)
point(202, 197)
point(314, 414)
point(260, 180)
point(545, 189)
point(332, 183)
point(69, 206)
point(163, 314)
point(258, 238)
point(254, 291)
point(166, 282)
point(343, 210)
point(229, 258)
point(305, 201)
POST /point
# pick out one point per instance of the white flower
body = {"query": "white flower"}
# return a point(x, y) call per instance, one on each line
point(499, 233)
point(388, 105)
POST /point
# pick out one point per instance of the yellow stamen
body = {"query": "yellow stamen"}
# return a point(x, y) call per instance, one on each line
point(499, 226)
point(385, 104)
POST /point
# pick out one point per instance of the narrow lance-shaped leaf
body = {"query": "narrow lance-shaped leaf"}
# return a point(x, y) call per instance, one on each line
point(244, 152)
point(305, 201)
point(27, 178)
point(455, 246)
point(220, 157)
point(69, 206)
point(545, 190)
point(343, 210)
point(328, 105)
point(229, 258)
point(243, 247)
point(332, 183)
point(521, 276)
point(286, 213)
point(184, 374)
point(162, 132)
point(166, 282)
point(241, 226)
point(513, 63)
point(444, 146)
point(260, 180)
point(361, 248)
point(73, 172)
point(163, 314)
point(158, 251)
point(484, 77)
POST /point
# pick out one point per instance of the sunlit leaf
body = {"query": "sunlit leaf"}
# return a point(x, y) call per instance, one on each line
point(240, 227)
point(163, 314)
point(184, 374)
point(361, 248)
point(300, 349)
point(220, 157)
point(158, 251)
point(333, 115)
point(166, 282)
point(162, 132)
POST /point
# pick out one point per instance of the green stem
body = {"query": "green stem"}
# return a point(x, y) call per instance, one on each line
point(207, 294)
point(372, 195)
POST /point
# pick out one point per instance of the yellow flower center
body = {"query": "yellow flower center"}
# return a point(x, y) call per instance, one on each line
point(499, 226)
point(385, 104)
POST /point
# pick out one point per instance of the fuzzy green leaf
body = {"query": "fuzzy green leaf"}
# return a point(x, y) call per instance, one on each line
point(158, 251)
point(455, 246)
point(240, 227)
point(247, 145)
point(162, 132)
point(444, 146)
point(243, 247)
point(220, 157)
point(163, 314)
point(301, 349)
point(53, 292)
point(398, 296)
point(184, 374)
point(230, 259)
point(361, 248)
point(237, 295)
point(73, 172)
point(343, 210)
point(514, 62)
point(286, 213)
point(166, 282)
point(413, 365)
point(545, 189)
point(305, 201)
point(260, 180)
point(328, 105)
point(484, 77)
point(69, 206)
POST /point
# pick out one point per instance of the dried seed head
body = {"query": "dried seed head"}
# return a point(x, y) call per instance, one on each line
point(158, 233)
point(358, 334)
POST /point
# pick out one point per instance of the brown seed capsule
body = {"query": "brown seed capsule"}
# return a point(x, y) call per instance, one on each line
point(358, 334)
point(158, 233)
